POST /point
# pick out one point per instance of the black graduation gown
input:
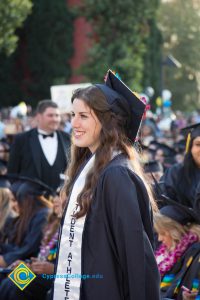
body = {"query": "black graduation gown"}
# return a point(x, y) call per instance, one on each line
point(31, 240)
point(36, 290)
point(185, 272)
point(117, 239)
point(175, 185)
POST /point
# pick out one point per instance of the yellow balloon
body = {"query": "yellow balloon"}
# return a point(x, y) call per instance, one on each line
point(159, 101)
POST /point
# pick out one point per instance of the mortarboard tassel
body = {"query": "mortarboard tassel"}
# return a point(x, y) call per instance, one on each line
point(188, 143)
point(147, 107)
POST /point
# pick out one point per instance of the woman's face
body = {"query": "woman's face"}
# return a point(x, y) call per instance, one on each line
point(159, 155)
point(165, 238)
point(196, 151)
point(86, 126)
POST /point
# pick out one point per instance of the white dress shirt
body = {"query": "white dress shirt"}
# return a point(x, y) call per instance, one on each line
point(49, 146)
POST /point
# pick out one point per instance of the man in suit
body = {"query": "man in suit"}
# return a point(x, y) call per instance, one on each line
point(41, 152)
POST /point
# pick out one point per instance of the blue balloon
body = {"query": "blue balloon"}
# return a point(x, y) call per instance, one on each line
point(167, 103)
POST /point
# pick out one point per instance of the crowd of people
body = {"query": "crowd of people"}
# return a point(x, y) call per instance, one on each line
point(103, 192)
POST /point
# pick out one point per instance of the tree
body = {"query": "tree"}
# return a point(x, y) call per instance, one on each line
point(12, 15)
point(118, 38)
point(153, 59)
point(180, 24)
point(42, 56)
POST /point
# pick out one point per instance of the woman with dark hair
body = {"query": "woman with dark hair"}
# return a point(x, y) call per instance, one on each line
point(181, 180)
point(105, 249)
point(42, 265)
point(24, 239)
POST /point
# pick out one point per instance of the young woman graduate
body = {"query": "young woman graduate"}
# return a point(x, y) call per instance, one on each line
point(106, 240)
point(23, 238)
point(180, 182)
point(178, 255)
point(42, 265)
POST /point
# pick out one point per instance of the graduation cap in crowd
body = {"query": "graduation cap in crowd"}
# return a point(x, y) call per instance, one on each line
point(151, 149)
point(153, 166)
point(179, 212)
point(123, 102)
point(169, 153)
point(33, 188)
point(167, 150)
point(23, 185)
point(191, 132)
point(180, 146)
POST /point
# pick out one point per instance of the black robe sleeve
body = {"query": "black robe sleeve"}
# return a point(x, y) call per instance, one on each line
point(170, 182)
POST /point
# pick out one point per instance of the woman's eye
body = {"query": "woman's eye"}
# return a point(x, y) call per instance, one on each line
point(83, 116)
point(72, 115)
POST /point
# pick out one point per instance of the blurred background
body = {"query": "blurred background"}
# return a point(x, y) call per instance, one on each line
point(153, 45)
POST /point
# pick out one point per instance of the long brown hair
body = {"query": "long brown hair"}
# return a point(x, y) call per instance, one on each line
point(29, 206)
point(112, 137)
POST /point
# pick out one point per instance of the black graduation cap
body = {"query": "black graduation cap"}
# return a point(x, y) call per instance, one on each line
point(194, 129)
point(151, 149)
point(179, 212)
point(23, 185)
point(180, 146)
point(167, 150)
point(191, 132)
point(123, 102)
point(153, 166)
point(15, 186)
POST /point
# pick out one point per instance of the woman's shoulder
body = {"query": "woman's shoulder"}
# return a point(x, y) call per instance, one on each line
point(118, 166)
point(120, 171)
point(41, 214)
point(174, 170)
point(193, 250)
point(176, 167)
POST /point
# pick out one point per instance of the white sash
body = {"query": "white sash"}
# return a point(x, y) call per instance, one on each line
point(69, 256)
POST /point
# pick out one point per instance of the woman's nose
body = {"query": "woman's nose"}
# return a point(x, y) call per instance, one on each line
point(75, 122)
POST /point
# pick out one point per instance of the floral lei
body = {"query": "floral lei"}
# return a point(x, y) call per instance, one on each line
point(171, 257)
point(46, 247)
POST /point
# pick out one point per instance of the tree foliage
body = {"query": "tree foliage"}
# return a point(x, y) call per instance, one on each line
point(42, 56)
point(118, 37)
point(180, 25)
point(153, 59)
point(12, 15)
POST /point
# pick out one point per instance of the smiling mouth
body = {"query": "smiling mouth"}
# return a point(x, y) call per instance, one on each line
point(78, 134)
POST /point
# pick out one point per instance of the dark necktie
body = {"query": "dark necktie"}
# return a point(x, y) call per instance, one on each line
point(47, 135)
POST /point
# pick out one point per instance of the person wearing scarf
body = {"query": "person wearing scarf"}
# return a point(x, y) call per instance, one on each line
point(178, 231)
point(106, 240)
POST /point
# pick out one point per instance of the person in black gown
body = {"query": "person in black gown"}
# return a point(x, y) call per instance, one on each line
point(107, 236)
point(23, 238)
point(180, 182)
